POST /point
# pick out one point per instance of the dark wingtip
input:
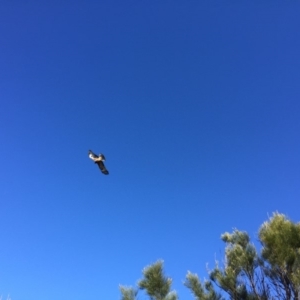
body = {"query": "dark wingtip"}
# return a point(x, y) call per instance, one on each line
point(105, 172)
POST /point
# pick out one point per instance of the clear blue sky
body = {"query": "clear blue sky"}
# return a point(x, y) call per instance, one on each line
point(196, 106)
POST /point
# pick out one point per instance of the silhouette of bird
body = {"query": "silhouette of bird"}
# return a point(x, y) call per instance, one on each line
point(99, 161)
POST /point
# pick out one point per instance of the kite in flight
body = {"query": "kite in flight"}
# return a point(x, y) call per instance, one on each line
point(99, 161)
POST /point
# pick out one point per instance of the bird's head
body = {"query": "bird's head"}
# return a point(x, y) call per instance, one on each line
point(102, 157)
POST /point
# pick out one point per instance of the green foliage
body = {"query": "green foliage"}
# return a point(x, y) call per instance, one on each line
point(281, 253)
point(238, 277)
point(201, 292)
point(246, 274)
point(127, 293)
point(273, 274)
point(156, 284)
point(281, 242)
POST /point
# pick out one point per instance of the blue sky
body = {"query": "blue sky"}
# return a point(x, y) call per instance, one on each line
point(196, 108)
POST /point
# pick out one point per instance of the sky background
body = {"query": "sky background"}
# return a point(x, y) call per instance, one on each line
point(195, 105)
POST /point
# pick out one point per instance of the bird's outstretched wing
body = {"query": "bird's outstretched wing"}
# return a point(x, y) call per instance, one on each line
point(92, 155)
point(102, 167)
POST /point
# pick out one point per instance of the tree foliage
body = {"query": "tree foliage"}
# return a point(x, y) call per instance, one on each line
point(281, 253)
point(156, 285)
point(127, 293)
point(201, 292)
point(272, 273)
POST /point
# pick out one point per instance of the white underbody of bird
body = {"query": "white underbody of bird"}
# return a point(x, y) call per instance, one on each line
point(98, 159)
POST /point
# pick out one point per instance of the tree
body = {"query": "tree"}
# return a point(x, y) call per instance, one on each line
point(273, 273)
point(240, 277)
point(247, 275)
point(156, 285)
point(201, 292)
point(127, 293)
point(281, 253)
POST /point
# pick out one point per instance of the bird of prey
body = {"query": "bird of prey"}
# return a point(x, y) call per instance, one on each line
point(99, 161)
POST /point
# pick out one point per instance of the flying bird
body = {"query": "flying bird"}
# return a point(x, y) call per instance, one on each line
point(99, 161)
